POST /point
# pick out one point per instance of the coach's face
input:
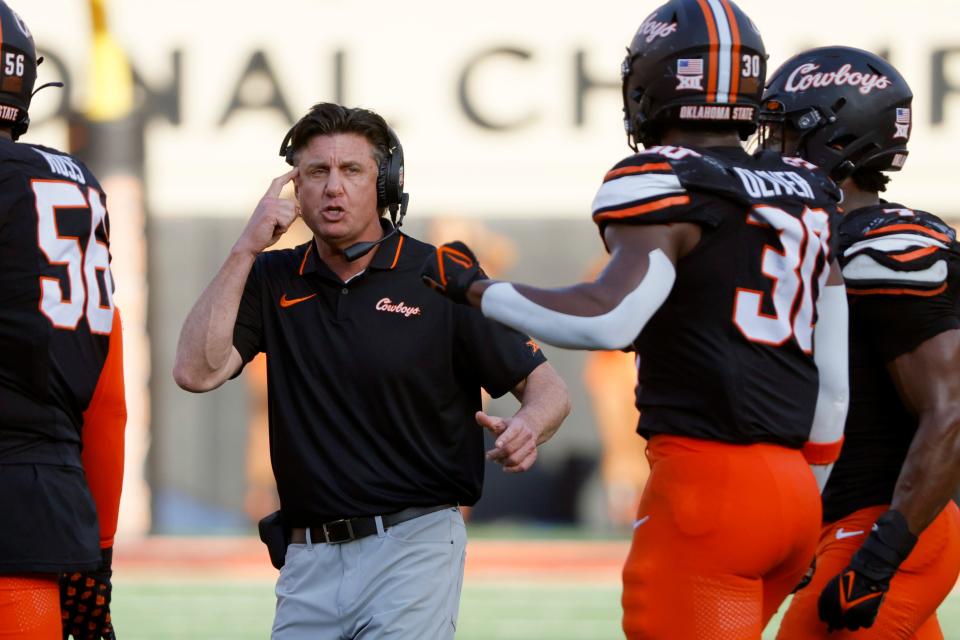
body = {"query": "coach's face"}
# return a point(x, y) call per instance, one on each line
point(337, 189)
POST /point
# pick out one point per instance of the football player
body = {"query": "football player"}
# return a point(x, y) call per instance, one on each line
point(889, 550)
point(722, 278)
point(62, 410)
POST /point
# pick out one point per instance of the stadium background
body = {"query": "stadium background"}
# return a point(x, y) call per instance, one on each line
point(509, 113)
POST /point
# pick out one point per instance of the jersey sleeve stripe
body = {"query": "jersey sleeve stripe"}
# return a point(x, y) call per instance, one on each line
point(915, 254)
point(656, 205)
point(631, 189)
point(909, 227)
point(613, 174)
point(894, 243)
point(864, 268)
point(926, 293)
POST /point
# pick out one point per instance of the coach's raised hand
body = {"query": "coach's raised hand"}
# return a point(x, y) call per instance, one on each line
point(272, 217)
point(451, 270)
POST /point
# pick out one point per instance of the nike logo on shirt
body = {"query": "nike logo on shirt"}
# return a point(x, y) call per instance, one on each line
point(637, 523)
point(841, 534)
point(287, 302)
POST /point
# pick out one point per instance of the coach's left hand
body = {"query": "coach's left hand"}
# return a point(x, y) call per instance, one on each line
point(85, 602)
point(516, 441)
point(852, 599)
point(451, 270)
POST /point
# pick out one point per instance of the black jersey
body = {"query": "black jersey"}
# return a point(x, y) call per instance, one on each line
point(729, 355)
point(902, 272)
point(56, 301)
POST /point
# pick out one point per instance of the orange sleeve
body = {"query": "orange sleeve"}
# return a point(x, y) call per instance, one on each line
point(104, 422)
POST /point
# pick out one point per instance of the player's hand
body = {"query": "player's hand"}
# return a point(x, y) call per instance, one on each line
point(272, 217)
point(451, 270)
point(85, 602)
point(852, 599)
point(516, 441)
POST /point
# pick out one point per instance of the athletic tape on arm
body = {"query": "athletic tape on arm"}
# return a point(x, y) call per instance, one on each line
point(831, 357)
point(615, 329)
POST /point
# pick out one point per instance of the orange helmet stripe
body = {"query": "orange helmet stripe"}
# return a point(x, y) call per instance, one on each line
point(714, 49)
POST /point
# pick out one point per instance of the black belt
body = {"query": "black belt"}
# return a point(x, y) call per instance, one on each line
point(347, 529)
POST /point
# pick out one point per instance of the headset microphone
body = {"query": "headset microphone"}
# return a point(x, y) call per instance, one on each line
point(360, 249)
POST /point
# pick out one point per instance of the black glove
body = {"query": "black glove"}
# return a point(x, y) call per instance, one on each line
point(85, 602)
point(451, 271)
point(852, 599)
point(807, 577)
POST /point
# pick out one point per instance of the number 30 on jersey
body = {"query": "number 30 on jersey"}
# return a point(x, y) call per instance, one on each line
point(804, 240)
point(83, 257)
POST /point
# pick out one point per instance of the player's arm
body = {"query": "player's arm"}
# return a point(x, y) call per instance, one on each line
point(544, 404)
point(104, 423)
point(831, 357)
point(85, 596)
point(928, 381)
point(607, 313)
point(206, 356)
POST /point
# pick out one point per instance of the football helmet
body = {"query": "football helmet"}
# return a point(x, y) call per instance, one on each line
point(849, 109)
point(18, 71)
point(693, 61)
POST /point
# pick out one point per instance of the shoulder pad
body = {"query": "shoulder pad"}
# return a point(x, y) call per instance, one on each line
point(636, 186)
point(765, 177)
point(61, 164)
point(889, 249)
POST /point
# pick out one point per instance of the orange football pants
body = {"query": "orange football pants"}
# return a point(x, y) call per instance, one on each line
point(723, 534)
point(909, 609)
point(30, 607)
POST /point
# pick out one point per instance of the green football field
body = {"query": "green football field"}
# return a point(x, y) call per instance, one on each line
point(198, 608)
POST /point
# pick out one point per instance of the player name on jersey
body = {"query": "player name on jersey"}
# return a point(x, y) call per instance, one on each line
point(765, 184)
point(63, 166)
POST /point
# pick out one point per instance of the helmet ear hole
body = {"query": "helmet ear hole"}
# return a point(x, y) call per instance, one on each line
point(842, 142)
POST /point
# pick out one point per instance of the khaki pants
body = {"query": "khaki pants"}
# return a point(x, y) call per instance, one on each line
point(404, 584)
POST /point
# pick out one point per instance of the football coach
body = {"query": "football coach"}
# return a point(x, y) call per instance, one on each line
point(373, 385)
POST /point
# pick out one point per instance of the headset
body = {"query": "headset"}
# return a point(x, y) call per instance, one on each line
point(390, 194)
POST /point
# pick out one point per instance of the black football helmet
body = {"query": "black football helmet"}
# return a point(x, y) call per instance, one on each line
point(693, 61)
point(849, 107)
point(18, 71)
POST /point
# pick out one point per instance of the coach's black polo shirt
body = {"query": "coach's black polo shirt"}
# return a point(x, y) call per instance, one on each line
point(373, 384)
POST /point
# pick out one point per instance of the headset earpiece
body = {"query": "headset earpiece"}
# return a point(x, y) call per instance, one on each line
point(286, 148)
point(390, 174)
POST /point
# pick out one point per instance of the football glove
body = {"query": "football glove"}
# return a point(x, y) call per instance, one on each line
point(85, 602)
point(852, 599)
point(451, 271)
